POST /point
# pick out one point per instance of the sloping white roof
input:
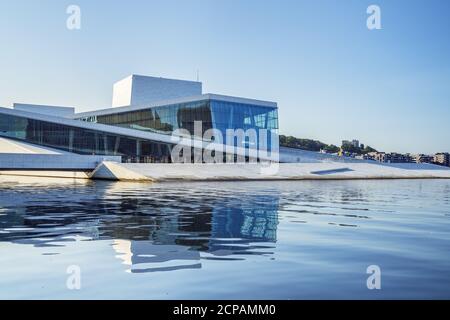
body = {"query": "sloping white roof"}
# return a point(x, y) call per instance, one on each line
point(202, 97)
point(18, 147)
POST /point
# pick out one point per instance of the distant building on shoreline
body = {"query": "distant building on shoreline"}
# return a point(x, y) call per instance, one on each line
point(423, 158)
point(354, 143)
point(392, 157)
point(442, 158)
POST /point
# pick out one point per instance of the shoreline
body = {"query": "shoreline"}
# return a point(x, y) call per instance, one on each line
point(115, 171)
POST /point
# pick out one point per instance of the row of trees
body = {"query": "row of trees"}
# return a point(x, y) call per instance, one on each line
point(358, 150)
point(306, 144)
point(315, 145)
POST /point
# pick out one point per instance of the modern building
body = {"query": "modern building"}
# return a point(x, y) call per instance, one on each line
point(146, 112)
point(442, 158)
point(154, 120)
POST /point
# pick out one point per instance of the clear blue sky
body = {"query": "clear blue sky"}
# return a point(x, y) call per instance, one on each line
point(332, 78)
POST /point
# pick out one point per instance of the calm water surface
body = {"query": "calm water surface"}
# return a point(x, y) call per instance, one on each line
point(221, 240)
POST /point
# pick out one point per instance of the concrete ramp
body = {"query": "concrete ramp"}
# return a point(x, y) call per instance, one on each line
point(282, 171)
point(108, 170)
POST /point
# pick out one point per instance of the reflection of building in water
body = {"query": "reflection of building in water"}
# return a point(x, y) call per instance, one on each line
point(177, 242)
point(145, 256)
point(251, 224)
point(152, 230)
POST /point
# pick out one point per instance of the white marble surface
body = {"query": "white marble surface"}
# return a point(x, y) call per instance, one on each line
point(285, 171)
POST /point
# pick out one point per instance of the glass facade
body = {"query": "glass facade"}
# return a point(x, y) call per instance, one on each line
point(231, 115)
point(216, 114)
point(163, 119)
point(82, 141)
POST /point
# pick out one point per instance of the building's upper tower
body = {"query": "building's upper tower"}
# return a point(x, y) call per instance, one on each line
point(139, 90)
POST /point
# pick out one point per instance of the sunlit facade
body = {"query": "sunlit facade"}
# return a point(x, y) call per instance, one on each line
point(138, 133)
point(213, 114)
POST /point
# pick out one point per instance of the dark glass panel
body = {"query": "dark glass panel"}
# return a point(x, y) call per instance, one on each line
point(81, 141)
point(163, 119)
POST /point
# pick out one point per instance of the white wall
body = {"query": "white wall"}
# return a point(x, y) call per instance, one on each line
point(122, 92)
point(139, 90)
